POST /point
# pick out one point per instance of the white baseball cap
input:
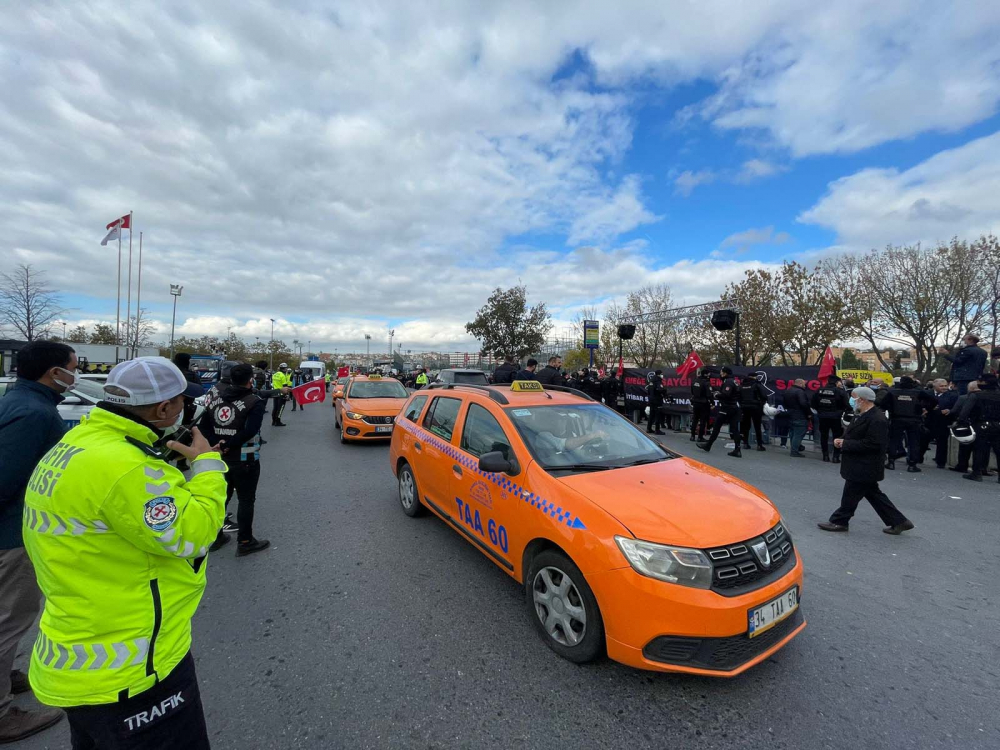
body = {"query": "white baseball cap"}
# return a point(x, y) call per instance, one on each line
point(148, 380)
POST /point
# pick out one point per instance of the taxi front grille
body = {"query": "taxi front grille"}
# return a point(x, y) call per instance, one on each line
point(378, 420)
point(723, 654)
point(736, 568)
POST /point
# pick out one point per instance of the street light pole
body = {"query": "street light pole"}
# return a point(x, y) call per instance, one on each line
point(271, 347)
point(368, 349)
point(175, 291)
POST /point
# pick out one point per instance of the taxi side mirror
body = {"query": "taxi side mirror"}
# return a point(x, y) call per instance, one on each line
point(494, 463)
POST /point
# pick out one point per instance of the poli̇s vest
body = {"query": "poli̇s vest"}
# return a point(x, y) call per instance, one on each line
point(906, 403)
point(701, 392)
point(229, 419)
point(987, 407)
point(750, 395)
point(827, 401)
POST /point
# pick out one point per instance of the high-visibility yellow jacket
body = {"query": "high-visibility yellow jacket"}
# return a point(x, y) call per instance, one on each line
point(118, 539)
point(280, 380)
point(422, 378)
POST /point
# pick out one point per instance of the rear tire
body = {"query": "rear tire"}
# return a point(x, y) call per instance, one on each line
point(409, 495)
point(563, 607)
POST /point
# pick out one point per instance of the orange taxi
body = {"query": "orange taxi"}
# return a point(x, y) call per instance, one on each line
point(623, 547)
point(367, 410)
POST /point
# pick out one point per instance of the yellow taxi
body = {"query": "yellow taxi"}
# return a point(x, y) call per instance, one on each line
point(337, 391)
point(623, 547)
point(368, 408)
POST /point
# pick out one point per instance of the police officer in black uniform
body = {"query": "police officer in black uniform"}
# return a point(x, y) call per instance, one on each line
point(729, 413)
point(753, 396)
point(701, 403)
point(905, 404)
point(505, 373)
point(609, 390)
point(655, 393)
point(983, 413)
point(830, 403)
point(234, 422)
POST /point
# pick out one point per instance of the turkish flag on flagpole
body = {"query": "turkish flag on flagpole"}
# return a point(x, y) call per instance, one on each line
point(829, 365)
point(693, 362)
point(313, 392)
point(621, 367)
point(343, 372)
point(115, 228)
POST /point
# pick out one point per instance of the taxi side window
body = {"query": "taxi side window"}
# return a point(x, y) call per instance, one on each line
point(442, 416)
point(483, 434)
point(416, 406)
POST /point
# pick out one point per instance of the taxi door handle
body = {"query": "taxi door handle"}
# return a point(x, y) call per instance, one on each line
point(457, 469)
point(417, 446)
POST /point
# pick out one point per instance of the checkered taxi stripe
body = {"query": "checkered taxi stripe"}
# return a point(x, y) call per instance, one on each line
point(500, 480)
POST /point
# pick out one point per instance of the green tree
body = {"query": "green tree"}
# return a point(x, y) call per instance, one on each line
point(103, 333)
point(507, 327)
point(849, 361)
point(78, 335)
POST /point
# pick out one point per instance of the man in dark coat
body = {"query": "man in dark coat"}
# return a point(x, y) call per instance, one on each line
point(967, 364)
point(863, 449)
point(796, 403)
point(528, 373)
point(655, 393)
point(551, 374)
point(938, 421)
point(505, 373)
point(729, 413)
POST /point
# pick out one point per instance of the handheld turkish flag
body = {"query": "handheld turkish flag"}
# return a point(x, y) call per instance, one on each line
point(313, 392)
point(343, 372)
point(689, 365)
point(829, 365)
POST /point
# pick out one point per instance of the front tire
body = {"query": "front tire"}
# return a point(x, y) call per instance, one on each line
point(343, 435)
point(563, 608)
point(409, 495)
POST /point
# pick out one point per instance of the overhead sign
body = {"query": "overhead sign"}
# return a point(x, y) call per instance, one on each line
point(863, 376)
point(592, 334)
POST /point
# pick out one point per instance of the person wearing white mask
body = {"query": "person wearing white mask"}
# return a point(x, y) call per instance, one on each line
point(29, 426)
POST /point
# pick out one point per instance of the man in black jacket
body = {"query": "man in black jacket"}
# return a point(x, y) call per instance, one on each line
point(609, 391)
point(967, 364)
point(983, 413)
point(655, 393)
point(864, 446)
point(550, 374)
point(701, 403)
point(528, 373)
point(505, 372)
point(796, 403)
point(906, 404)
point(752, 400)
point(938, 421)
point(729, 413)
point(830, 403)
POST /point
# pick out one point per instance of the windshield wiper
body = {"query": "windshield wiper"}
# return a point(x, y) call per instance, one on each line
point(643, 461)
point(580, 467)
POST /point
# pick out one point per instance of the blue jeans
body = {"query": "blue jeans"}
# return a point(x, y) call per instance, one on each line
point(796, 431)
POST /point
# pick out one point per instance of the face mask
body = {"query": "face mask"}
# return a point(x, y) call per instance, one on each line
point(854, 404)
point(172, 428)
point(73, 379)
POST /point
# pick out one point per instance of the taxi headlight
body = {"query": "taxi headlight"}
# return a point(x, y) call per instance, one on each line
point(355, 415)
point(680, 565)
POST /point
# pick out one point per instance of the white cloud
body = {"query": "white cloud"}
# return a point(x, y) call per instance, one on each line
point(762, 236)
point(687, 181)
point(756, 169)
point(952, 193)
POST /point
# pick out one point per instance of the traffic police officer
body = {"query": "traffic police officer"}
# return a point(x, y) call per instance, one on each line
point(233, 423)
point(279, 380)
point(729, 413)
point(701, 403)
point(905, 404)
point(119, 539)
point(983, 413)
point(753, 396)
point(422, 378)
point(654, 392)
point(830, 403)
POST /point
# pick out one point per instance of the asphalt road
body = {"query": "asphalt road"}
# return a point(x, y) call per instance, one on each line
point(363, 628)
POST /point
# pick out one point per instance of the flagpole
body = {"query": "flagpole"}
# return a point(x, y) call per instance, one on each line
point(128, 296)
point(138, 297)
point(118, 308)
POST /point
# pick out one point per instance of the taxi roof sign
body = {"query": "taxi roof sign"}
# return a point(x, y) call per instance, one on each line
point(375, 376)
point(522, 386)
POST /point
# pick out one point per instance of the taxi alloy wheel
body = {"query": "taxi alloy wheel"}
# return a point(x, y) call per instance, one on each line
point(409, 497)
point(564, 608)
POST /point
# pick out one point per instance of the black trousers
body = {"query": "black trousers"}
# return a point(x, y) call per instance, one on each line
point(279, 406)
point(655, 417)
point(166, 717)
point(241, 480)
point(727, 415)
point(754, 415)
point(854, 492)
point(985, 440)
point(826, 426)
point(699, 419)
point(911, 430)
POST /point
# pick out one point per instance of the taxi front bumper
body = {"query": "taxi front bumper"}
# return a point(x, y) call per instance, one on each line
point(664, 627)
point(358, 429)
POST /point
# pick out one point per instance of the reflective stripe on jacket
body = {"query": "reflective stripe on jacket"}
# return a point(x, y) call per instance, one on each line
point(118, 539)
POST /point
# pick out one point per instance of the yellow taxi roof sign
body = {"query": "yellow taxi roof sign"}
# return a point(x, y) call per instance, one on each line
point(375, 376)
point(520, 386)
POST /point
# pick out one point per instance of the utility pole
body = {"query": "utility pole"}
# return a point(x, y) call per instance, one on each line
point(272, 345)
point(392, 332)
point(368, 349)
point(175, 291)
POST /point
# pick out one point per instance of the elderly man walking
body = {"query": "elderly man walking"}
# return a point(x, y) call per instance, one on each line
point(863, 449)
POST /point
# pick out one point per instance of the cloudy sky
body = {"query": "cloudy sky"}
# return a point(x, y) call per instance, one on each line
point(347, 167)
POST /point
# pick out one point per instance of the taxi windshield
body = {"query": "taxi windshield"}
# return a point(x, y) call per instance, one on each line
point(342, 381)
point(378, 389)
point(583, 437)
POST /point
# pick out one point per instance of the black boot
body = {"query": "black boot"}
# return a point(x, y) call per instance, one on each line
point(760, 447)
point(735, 452)
point(707, 446)
point(913, 468)
point(836, 457)
point(890, 464)
point(826, 458)
point(692, 438)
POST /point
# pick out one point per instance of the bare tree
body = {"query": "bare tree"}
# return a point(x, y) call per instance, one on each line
point(138, 330)
point(27, 304)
